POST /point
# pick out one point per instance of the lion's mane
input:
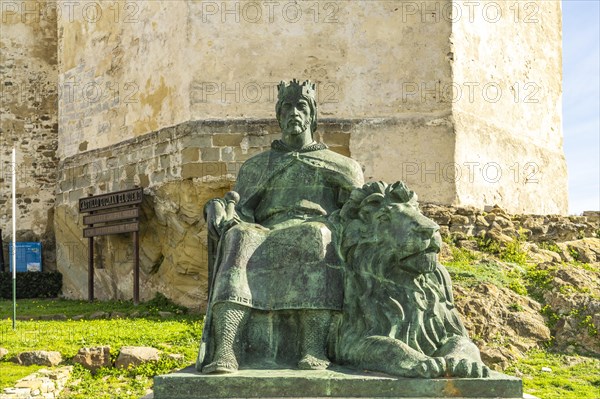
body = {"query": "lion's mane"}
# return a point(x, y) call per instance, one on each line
point(381, 298)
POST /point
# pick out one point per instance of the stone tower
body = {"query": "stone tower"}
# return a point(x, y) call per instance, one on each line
point(461, 100)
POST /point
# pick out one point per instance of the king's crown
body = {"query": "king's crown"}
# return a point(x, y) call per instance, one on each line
point(294, 88)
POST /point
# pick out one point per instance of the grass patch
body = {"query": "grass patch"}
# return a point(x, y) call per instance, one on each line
point(471, 274)
point(178, 334)
point(509, 252)
point(70, 308)
point(468, 269)
point(174, 336)
point(11, 373)
point(109, 383)
point(572, 377)
point(538, 281)
point(106, 384)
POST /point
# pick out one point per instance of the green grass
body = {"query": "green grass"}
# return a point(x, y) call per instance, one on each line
point(468, 269)
point(109, 383)
point(10, 373)
point(177, 334)
point(550, 246)
point(572, 377)
point(38, 307)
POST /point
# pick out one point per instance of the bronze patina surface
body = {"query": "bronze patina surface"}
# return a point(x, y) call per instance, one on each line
point(314, 274)
point(332, 383)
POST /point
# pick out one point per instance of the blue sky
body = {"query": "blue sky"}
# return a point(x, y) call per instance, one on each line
point(581, 102)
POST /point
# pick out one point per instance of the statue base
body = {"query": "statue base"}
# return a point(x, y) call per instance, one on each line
point(336, 382)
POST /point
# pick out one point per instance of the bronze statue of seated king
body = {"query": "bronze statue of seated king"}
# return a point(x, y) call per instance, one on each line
point(309, 266)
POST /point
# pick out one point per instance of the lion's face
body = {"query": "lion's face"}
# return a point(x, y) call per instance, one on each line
point(387, 219)
point(413, 239)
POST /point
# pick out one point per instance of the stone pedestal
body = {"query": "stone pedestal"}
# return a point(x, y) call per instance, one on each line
point(334, 383)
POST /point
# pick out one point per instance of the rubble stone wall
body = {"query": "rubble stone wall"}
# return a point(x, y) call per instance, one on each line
point(29, 121)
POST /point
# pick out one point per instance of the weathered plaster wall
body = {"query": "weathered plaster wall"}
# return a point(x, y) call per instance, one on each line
point(123, 70)
point(174, 95)
point(28, 120)
point(508, 120)
point(361, 53)
point(157, 64)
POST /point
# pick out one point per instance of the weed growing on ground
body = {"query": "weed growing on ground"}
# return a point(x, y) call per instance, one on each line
point(162, 303)
point(551, 316)
point(538, 281)
point(177, 334)
point(515, 307)
point(550, 246)
point(107, 383)
point(574, 252)
point(572, 377)
point(9, 373)
point(511, 251)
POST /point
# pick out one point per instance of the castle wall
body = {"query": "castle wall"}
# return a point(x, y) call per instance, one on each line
point(189, 94)
point(29, 120)
point(173, 96)
point(123, 66)
point(156, 64)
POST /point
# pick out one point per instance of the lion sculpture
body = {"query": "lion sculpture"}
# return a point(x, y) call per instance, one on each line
point(398, 315)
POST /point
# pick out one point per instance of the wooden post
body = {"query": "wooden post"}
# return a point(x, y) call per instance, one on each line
point(113, 213)
point(91, 269)
point(1, 253)
point(136, 268)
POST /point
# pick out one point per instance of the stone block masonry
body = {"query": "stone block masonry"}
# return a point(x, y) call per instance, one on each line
point(43, 384)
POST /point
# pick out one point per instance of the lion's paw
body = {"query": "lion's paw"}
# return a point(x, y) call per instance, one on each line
point(466, 368)
point(432, 367)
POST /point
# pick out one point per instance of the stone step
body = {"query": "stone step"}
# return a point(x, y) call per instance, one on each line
point(332, 383)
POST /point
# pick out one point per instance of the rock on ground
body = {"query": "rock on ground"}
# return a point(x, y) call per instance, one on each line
point(93, 358)
point(136, 355)
point(586, 250)
point(41, 358)
point(3, 352)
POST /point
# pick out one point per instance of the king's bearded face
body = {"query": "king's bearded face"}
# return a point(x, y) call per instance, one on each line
point(295, 116)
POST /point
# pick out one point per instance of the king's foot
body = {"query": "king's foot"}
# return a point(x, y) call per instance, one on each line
point(221, 366)
point(309, 362)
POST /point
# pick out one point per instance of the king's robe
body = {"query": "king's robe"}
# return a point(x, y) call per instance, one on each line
point(284, 254)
